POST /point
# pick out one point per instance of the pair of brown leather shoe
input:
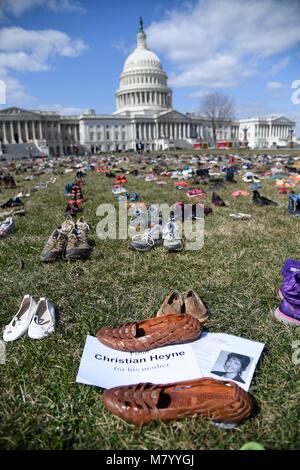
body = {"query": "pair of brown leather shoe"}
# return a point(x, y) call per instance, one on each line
point(152, 333)
point(221, 401)
point(189, 303)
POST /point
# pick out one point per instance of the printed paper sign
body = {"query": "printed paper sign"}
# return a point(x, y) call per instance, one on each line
point(107, 368)
point(216, 355)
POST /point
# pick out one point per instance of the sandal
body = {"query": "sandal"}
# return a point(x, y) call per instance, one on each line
point(152, 333)
point(222, 401)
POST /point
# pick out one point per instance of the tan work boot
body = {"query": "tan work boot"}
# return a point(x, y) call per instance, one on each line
point(172, 304)
point(77, 245)
point(54, 247)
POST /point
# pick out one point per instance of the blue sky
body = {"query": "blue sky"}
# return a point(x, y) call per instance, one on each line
point(67, 55)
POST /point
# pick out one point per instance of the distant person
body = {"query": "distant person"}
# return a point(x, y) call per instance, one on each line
point(234, 366)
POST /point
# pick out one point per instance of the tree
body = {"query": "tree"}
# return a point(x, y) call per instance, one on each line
point(217, 109)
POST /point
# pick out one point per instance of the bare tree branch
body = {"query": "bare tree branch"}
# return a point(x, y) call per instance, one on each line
point(217, 109)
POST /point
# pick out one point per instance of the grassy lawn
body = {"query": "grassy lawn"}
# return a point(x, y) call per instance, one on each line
point(236, 273)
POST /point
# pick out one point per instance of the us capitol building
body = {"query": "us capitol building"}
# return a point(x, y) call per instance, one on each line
point(144, 115)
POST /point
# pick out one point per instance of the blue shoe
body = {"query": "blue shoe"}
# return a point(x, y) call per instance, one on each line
point(255, 186)
point(135, 197)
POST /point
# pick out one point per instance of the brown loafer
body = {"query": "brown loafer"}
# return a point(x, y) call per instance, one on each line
point(152, 333)
point(172, 304)
point(194, 306)
point(139, 404)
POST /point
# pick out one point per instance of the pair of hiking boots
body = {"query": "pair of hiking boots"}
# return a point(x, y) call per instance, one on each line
point(68, 242)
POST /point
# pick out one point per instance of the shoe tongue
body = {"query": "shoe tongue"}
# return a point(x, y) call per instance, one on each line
point(56, 234)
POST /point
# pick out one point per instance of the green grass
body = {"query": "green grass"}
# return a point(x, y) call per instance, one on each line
point(236, 273)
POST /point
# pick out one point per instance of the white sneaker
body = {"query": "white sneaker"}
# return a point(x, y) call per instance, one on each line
point(20, 322)
point(171, 237)
point(43, 322)
point(7, 227)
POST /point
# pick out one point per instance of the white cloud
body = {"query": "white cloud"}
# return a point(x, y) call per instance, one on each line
point(123, 47)
point(216, 43)
point(277, 85)
point(24, 50)
point(279, 66)
point(15, 91)
point(19, 7)
point(63, 110)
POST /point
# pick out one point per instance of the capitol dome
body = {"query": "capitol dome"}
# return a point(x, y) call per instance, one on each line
point(143, 83)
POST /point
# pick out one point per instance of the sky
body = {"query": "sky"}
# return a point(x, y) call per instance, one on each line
point(67, 55)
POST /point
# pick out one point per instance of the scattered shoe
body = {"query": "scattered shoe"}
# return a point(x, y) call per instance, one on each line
point(172, 304)
point(14, 202)
point(43, 321)
point(54, 247)
point(121, 180)
point(196, 192)
point(217, 200)
point(171, 237)
point(288, 311)
point(146, 240)
point(77, 246)
point(255, 186)
point(194, 306)
point(7, 227)
point(18, 211)
point(20, 322)
point(72, 207)
point(151, 333)
point(261, 200)
point(218, 400)
point(240, 216)
point(117, 189)
point(240, 192)
point(135, 197)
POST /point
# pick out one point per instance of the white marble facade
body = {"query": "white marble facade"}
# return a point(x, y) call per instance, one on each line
point(144, 114)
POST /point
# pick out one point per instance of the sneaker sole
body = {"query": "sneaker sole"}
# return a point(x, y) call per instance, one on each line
point(285, 319)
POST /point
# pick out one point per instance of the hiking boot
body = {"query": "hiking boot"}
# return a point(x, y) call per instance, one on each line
point(146, 240)
point(261, 200)
point(7, 227)
point(54, 247)
point(78, 246)
point(217, 200)
point(172, 237)
point(67, 225)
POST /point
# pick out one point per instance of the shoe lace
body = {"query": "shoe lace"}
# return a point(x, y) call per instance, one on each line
point(145, 237)
point(170, 232)
point(57, 240)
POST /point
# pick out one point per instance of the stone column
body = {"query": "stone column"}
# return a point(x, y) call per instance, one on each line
point(40, 130)
point(4, 133)
point(33, 130)
point(19, 133)
point(12, 133)
point(26, 131)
